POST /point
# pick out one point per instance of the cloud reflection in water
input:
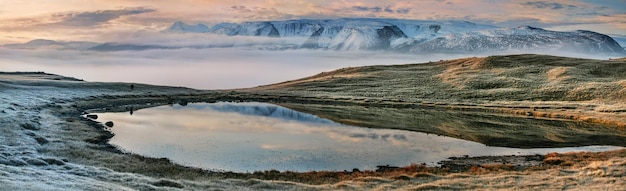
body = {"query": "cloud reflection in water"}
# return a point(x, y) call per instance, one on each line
point(246, 137)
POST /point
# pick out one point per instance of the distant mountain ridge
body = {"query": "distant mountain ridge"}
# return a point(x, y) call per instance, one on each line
point(51, 44)
point(371, 34)
point(414, 36)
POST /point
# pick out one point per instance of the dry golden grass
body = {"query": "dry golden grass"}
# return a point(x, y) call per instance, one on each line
point(502, 78)
point(557, 73)
point(573, 88)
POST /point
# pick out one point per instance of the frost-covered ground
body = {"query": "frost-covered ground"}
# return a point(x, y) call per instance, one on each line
point(43, 147)
point(29, 132)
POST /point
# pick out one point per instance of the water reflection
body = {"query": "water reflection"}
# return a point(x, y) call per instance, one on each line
point(246, 137)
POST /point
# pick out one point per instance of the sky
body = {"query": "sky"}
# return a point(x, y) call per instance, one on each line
point(103, 20)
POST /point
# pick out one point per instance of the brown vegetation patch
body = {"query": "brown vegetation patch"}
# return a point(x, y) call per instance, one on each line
point(557, 73)
point(581, 159)
point(459, 72)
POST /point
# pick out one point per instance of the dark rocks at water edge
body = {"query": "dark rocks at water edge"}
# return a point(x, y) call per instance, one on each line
point(92, 116)
point(386, 168)
point(109, 124)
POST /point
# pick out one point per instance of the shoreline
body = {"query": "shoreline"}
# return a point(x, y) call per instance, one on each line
point(478, 165)
point(454, 164)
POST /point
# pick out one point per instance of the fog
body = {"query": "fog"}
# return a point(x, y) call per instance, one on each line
point(214, 68)
point(248, 62)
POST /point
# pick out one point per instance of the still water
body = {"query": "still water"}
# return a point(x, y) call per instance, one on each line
point(247, 137)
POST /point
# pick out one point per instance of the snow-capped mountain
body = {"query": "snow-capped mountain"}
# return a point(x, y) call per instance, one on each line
point(414, 36)
point(521, 38)
point(349, 34)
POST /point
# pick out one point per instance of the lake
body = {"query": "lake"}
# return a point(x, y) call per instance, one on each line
point(247, 137)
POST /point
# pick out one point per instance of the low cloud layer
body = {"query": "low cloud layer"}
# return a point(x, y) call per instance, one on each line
point(387, 9)
point(212, 68)
point(85, 19)
point(94, 18)
point(548, 5)
point(197, 68)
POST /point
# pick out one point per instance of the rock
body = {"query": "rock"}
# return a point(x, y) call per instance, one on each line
point(92, 116)
point(29, 126)
point(53, 161)
point(168, 183)
point(36, 162)
point(109, 123)
point(14, 162)
point(30, 133)
point(355, 170)
point(41, 140)
point(386, 168)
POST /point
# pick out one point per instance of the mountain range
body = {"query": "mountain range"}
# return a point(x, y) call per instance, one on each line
point(373, 34)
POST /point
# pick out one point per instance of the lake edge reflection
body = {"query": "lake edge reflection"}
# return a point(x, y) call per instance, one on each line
point(252, 136)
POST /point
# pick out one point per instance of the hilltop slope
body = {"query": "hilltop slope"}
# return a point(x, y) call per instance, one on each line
point(494, 78)
point(520, 101)
point(535, 86)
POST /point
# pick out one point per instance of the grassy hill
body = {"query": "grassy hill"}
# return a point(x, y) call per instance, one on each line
point(495, 78)
point(514, 101)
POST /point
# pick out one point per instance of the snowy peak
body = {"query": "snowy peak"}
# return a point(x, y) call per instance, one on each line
point(339, 34)
point(180, 26)
point(373, 34)
point(415, 36)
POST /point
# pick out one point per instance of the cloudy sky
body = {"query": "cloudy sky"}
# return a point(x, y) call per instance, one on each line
point(101, 20)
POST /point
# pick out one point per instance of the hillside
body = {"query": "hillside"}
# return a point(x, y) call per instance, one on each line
point(495, 78)
point(513, 101)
